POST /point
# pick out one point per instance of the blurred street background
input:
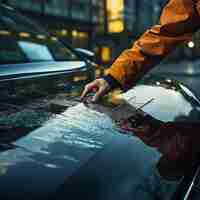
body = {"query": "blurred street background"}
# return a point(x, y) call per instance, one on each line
point(106, 27)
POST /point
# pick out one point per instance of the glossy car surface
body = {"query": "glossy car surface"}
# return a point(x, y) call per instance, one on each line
point(52, 146)
point(28, 51)
point(56, 147)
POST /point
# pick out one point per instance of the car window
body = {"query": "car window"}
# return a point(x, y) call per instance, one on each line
point(35, 51)
point(24, 41)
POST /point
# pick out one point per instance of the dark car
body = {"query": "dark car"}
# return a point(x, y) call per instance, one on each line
point(27, 51)
point(54, 147)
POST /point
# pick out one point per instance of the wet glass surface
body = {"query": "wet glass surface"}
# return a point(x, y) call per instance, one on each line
point(64, 143)
point(54, 135)
point(60, 140)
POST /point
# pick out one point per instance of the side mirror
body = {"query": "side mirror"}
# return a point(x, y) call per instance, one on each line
point(89, 55)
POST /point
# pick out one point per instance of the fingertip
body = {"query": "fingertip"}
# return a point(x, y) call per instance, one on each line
point(95, 98)
point(81, 97)
point(85, 91)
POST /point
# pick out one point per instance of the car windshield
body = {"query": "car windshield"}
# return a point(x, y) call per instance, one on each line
point(23, 41)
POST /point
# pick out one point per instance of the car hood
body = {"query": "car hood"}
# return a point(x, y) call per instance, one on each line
point(165, 99)
point(13, 71)
point(37, 164)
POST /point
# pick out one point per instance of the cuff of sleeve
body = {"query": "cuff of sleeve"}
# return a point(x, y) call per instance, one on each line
point(113, 83)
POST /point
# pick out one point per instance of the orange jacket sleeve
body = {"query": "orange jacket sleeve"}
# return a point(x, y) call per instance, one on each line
point(178, 21)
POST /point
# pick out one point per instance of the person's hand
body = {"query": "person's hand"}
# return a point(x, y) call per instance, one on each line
point(99, 86)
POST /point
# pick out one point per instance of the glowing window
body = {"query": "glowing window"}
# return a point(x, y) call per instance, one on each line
point(106, 54)
point(115, 11)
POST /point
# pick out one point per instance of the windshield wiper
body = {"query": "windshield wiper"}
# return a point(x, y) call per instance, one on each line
point(143, 105)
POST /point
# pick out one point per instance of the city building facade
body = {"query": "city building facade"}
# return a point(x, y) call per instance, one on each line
point(104, 26)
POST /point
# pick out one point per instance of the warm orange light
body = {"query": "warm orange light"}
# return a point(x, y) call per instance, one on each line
point(79, 34)
point(116, 26)
point(74, 33)
point(106, 54)
point(115, 9)
point(82, 35)
point(80, 78)
point(115, 5)
point(24, 34)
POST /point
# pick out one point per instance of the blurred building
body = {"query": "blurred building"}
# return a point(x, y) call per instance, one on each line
point(128, 19)
point(72, 20)
point(104, 26)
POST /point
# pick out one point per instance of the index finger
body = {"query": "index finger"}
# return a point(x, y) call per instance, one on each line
point(87, 89)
